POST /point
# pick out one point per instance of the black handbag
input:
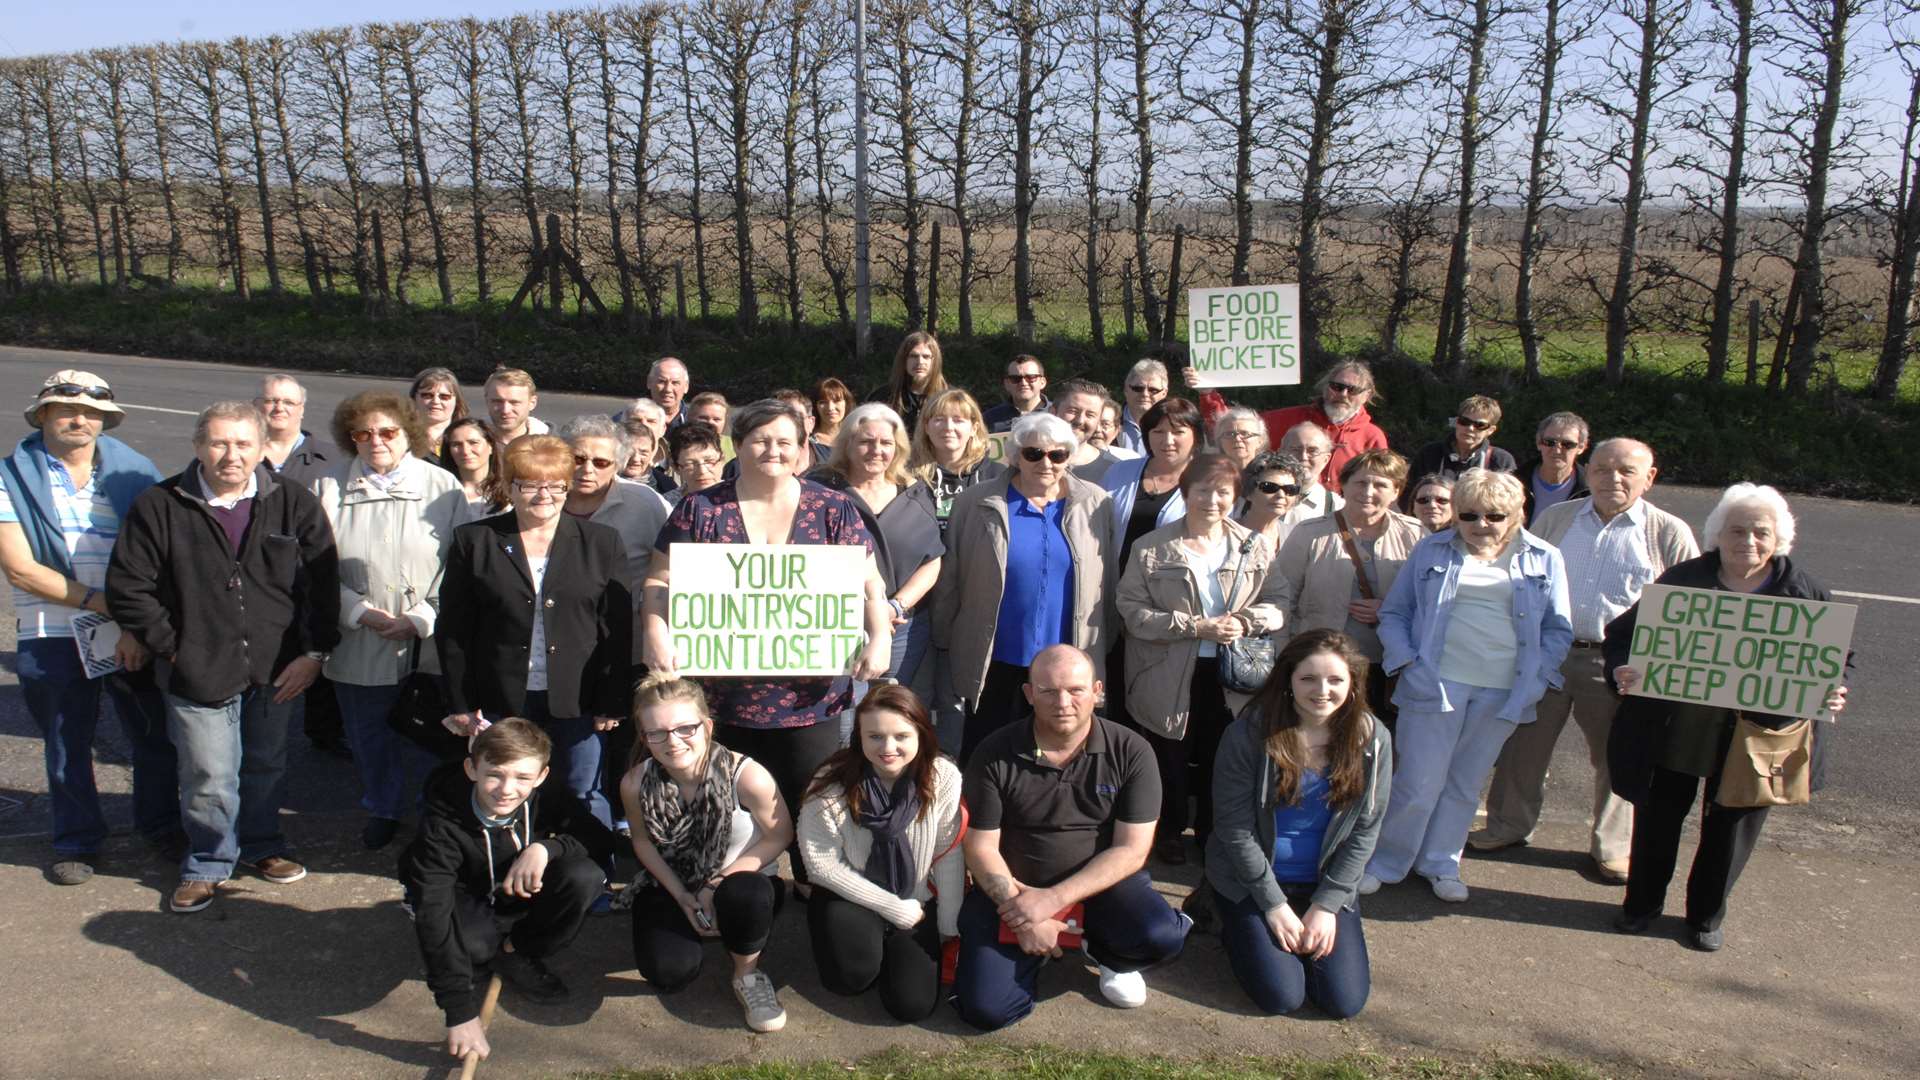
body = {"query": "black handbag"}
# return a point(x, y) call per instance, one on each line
point(1247, 661)
point(417, 714)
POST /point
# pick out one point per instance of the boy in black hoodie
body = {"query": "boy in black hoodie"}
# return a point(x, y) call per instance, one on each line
point(501, 874)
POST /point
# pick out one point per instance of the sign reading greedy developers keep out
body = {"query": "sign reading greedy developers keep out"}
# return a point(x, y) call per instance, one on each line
point(767, 609)
point(1244, 335)
point(1763, 654)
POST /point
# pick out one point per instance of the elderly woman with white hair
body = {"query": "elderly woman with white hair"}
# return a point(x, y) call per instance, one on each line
point(1660, 751)
point(1240, 434)
point(1030, 566)
point(1476, 626)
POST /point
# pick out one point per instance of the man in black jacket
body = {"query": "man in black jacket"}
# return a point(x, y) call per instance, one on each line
point(229, 577)
point(501, 874)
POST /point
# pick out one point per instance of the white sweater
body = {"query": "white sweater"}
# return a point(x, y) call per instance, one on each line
point(836, 849)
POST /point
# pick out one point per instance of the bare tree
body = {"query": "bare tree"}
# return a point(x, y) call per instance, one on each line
point(793, 98)
point(1736, 34)
point(1542, 176)
point(1472, 30)
point(730, 33)
point(962, 30)
point(201, 68)
point(243, 52)
point(157, 109)
point(819, 109)
point(1896, 345)
point(519, 49)
point(44, 76)
point(468, 45)
point(404, 44)
point(112, 79)
point(642, 27)
point(896, 102)
point(1036, 56)
point(340, 97)
point(695, 211)
point(279, 61)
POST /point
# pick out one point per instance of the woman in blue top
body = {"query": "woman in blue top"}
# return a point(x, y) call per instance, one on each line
point(1300, 787)
point(1476, 627)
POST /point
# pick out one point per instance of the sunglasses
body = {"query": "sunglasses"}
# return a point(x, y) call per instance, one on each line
point(685, 733)
point(1559, 444)
point(1348, 388)
point(1273, 487)
point(1438, 500)
point(1473, 425)
point(67, 389)
point(600, 463)
point(385, 434)
point(1025, 378)
point(1472, 518)
point(1058, 455)
point(1150, 391)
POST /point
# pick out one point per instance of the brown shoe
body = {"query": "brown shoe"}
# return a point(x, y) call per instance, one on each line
point(1612, 871)
point(191, 896)
point(279, 869)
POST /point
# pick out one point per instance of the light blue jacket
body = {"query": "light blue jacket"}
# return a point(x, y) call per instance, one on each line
point(1413, 622)
point(1122, 481)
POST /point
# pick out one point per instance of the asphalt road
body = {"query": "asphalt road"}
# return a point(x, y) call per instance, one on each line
point(1872, 804)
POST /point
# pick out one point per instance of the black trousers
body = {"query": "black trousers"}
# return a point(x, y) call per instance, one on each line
point(538, 926)
point(1727, 839)
point(1002, 701)
point(856, 949)
point(320, 717)
point(792, 755)
point(1186, 763)
point(667, 949)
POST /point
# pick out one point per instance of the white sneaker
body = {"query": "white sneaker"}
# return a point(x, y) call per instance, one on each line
point(1450, 889)
point(1125, 989)
point(1368, 885)
point(756, 995)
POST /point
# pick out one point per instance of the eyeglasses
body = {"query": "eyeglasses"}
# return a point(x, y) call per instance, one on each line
point(1058, 455)
point(1146, 391)
point(434, 395)
point(384, 434)
point(67, 389)
point(287, 401)
point(531, 489)
point(1438, 500)
point(1238, 436)
point(1472, 518)
point(1559, 444)
point(1025, 378)
point(698, 464)
point(600, 463)
point(1274, 487)
point(1312, 451)
point(1348, 388)
point(685, 733)
point(1472, 424)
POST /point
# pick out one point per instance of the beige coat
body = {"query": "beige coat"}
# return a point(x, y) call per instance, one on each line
point(973, 577)
point(1160, 604)
point(393, 545)
point(1317, 575)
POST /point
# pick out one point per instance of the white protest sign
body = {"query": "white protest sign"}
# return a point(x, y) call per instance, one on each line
point(1763, 654)
point(999, 444)
point(1244, 335)
point(767, 609)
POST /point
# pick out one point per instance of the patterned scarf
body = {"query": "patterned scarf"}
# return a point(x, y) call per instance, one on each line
point(691, 836)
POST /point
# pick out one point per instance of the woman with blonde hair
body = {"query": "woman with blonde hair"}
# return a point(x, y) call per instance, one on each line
point(950, 449)
point(1476, 627)
point(916, 377)
point(436, 394)
point(708, 828)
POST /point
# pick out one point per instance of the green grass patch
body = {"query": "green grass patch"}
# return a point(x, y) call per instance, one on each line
point(1051, 1063)
point(1829, 441)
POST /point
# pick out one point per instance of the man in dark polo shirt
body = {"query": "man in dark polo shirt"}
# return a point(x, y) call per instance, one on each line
point(1063, 808)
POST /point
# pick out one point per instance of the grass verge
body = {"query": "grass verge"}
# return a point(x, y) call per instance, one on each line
point(1829, 441)
point(1052, 1063)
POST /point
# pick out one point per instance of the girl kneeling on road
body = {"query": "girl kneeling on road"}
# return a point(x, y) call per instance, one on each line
point(1300, 787)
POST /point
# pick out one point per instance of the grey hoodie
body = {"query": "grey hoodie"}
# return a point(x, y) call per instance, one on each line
point(1240, 850)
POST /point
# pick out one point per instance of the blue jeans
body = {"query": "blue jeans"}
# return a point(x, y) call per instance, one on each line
point(392, 768)
point(1279, 982)
point(233, 777)
point(910, 646)
point(1129, 928)
point(66, 706)
point(576, 755)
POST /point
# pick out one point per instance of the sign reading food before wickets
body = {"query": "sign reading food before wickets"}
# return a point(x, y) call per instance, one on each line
point(767, 609)
point(1762, 654)
point(1244, 335)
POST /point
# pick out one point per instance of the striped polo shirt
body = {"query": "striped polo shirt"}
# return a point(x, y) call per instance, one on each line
point(90, 526)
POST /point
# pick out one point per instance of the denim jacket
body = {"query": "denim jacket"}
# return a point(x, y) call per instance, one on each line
point(1413, 622)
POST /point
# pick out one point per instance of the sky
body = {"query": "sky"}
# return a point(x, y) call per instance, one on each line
point(32, 29)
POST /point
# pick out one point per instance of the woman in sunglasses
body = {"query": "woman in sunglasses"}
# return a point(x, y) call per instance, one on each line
point(539, 620)
point(1028, 566)
point(1433, 501)
point(1476, 628)
point(1190, 588)
point(1338, 569)
point(1269, 486)
point(393, 516)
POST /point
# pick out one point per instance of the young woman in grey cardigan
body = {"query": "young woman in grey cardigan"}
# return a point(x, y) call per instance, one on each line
point(1300, 786)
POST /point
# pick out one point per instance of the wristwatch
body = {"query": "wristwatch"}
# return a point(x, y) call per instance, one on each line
point(323, 657)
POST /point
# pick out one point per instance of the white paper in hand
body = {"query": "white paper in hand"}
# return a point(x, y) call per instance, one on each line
point(96, 637)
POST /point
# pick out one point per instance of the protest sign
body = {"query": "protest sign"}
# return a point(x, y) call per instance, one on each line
point(1244, 335)
point(998, 446)
point(767, 609)
point(1764, 654)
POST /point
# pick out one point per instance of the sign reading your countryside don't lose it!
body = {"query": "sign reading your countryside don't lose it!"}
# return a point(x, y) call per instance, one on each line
point(1761, 654)
point(767, 609)
point(1244, 335)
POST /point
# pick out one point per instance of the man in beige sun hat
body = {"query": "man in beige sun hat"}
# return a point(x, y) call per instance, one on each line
point(64, 492)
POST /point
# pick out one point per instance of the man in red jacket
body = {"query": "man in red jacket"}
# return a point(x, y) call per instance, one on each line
point(1339, 407)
